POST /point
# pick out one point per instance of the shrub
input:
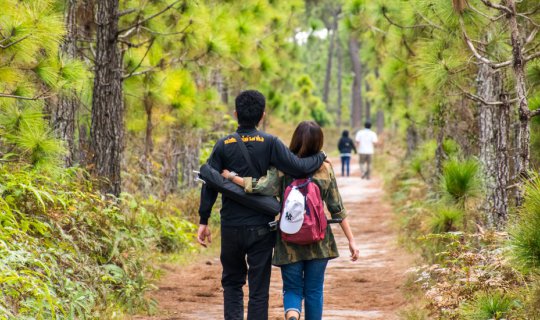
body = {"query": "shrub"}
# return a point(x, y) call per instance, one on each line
point(446, 219)
point(67, 253)
point(487, 306)
point(460, 181)
point(525, 234)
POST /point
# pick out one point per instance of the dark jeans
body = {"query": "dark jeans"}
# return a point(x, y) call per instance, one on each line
point(345, 165)
point(256, 244)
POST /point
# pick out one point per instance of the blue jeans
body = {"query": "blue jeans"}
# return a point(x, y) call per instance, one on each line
point(345, 164)
point(304, 280)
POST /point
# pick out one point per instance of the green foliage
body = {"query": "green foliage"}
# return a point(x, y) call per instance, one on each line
point(24, 128)
point(422, 158)
point(446, 219)
point(303, 104)
point(525, 234)
point(460, 181)
point(488, 306)
point(66, 253)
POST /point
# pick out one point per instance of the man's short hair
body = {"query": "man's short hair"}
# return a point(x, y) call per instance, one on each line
point(367, 125)
point(250, 106)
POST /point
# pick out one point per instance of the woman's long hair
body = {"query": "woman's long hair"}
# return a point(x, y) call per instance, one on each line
point(307, 139)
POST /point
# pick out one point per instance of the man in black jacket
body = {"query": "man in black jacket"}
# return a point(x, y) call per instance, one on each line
point(245, 235)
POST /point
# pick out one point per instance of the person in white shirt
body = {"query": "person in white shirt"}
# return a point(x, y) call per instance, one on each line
point(366, 140)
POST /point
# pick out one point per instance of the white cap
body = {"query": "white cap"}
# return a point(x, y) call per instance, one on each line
point(292, 216)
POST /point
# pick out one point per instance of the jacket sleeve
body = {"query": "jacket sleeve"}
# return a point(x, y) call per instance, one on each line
point(268, 185)
point(284, 160)
point(209, 195)
point(332, 198)
point(354, 146)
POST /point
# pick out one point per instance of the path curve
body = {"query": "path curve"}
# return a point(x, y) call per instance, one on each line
point(367, 289)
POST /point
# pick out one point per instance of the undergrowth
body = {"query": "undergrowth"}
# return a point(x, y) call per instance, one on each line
point(67, 253)
point(465, 271)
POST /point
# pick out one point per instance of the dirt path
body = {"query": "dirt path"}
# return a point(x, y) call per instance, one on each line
point(367, 289)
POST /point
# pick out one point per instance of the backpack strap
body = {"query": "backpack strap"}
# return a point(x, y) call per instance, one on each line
point(245, 153)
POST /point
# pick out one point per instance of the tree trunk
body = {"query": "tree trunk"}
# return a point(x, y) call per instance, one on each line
point(356, 101)
point(170, 163)
point(368, 103)
point(63, 115)
point(380, 121)
point(339, 110)
point(107, 129)
point(221, 87)
point(524, 137)
point(503, 165)
point(190, 157)
point(412, 140)
point(440, 154)
point(332, 31)
point(146, 160)
point(493, 139)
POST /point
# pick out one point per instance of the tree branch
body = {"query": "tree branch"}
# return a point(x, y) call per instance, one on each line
point(531, 36)
point(478, 55)
point(499, 7)
point(142, 59)
point(534, 113)
point(134, 74)
point(14, 42)
point(533, 56)
point(534, 23)
point(169, 33)
point(402, 26)
point(126, 12)
point(431, 23)
point(473, 8)
point(167, 8)
point(479, 99)
point(12, 96)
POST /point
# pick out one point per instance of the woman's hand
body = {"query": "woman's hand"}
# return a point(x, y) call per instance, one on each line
point(355, 252)
point(225, 173)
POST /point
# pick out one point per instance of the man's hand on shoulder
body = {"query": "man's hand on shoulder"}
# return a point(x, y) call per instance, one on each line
point(204, 236)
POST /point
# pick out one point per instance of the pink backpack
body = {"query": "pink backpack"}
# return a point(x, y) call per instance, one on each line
point(303, 220)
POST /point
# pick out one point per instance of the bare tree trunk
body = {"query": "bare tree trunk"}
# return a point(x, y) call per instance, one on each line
point(412, 140)
point(494, 133)
point(503, 165)
point(333, 30)
point(190, 157)
point(339, 110)
point(440, 154)
point(170, 163)
point(63, 115)
point(107, 128)
point(380, 121)
point(221, 87)
point(524, 137)
point(148, 142)
point(368, 103)
point(356, 101)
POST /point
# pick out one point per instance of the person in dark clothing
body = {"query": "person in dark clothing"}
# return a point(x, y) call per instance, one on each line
point(346, 146)
point(246, 240)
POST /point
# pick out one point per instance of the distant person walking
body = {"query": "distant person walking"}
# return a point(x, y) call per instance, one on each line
point(346, 146)
point(366, 140)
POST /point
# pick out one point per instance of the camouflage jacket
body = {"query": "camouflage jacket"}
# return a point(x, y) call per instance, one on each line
point(274, 183)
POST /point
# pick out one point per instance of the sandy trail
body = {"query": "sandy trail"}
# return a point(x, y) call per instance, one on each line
point(367, 289)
